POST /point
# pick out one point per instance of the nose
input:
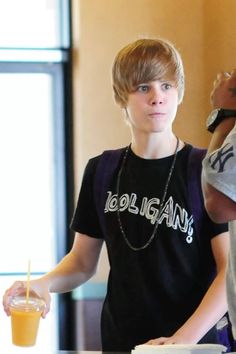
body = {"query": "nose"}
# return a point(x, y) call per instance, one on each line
point(156, 97)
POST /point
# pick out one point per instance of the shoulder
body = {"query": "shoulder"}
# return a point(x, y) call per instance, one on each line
point(104, 159)
point(193, 156)
point(111, 154)
point(197, 152)
point(91, 165)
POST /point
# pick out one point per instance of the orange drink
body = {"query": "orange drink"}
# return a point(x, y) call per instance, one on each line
point(25, 317)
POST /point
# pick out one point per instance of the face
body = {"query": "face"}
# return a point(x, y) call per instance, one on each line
point(152, 107)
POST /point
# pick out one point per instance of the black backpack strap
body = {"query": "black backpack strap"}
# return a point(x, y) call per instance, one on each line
point(195, 195)
point(107, 166)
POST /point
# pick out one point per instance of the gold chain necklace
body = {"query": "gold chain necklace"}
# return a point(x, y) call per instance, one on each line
point(161, 205)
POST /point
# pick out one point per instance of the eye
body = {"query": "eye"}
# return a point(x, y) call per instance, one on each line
point(166, 86)
point(143, 88)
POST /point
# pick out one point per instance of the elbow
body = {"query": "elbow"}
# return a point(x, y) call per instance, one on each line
point(93, 272)
point(90, 273)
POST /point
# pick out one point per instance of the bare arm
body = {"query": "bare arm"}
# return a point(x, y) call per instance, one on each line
point(73, 270)
point(213, 305)
point(77, 266)
point(219, 207)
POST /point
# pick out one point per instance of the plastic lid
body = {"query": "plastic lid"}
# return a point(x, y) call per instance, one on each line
point(33, 304)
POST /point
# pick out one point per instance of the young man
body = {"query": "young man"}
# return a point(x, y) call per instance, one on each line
point(219, 171)
point(167, 269)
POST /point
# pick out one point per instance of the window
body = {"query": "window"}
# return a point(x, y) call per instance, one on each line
point(34, 24)
point(34, 79)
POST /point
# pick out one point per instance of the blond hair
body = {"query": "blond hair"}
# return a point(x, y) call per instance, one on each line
point(143, 61)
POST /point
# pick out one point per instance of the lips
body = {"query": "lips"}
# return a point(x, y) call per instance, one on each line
point(157, 114)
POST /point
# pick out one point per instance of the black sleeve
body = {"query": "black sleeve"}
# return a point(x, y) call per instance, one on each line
point(85, 218)
point(214, 229)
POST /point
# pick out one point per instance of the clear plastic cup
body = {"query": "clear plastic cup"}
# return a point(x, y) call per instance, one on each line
point(25, 317)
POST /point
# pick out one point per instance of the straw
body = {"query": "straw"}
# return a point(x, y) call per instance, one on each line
point(28, 283)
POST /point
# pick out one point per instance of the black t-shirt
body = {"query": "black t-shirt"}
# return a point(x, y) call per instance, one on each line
point(151, 292)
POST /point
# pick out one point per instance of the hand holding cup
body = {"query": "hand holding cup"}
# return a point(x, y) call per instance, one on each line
point(38, 288)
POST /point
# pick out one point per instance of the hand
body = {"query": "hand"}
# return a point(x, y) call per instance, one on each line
point(38, 287)
point(167, 340)
point(223, 94)
point(162, 341)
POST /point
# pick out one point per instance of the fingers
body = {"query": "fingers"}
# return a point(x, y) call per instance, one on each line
point(174, 339)
point(161, 341)
point(220, 77)
point(19, 288)
point(225, 75)
point(233, 73)
point(41, 290)
point(223, 93)
point(47, 306)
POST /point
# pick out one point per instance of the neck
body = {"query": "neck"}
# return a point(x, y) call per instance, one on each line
point(156, 149)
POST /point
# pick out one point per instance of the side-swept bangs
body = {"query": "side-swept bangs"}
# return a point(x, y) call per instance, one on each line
point(143, 61)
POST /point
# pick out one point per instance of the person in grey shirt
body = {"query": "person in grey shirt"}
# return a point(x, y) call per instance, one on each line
point(219, 172)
